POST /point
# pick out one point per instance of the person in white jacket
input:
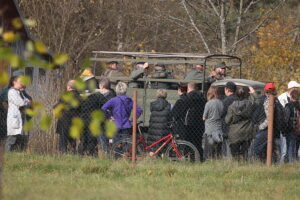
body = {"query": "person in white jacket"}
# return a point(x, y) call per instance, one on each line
point(16, 139)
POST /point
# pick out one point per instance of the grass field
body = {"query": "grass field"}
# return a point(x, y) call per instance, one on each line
point(71, 177)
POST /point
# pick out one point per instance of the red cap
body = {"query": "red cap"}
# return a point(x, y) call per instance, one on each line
point(270, 87)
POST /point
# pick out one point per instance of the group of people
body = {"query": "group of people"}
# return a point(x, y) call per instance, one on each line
point(236, 125)
point(141, 70)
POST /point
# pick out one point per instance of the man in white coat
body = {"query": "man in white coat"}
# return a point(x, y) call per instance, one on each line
point(16, 136)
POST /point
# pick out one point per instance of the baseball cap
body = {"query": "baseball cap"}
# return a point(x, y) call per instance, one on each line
point(18, 73)
point(112, 62)
point(270, 87)
point(231, 86)
point(221, 65)
point(293, 84)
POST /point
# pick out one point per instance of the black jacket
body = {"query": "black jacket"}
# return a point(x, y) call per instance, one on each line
point(159, 118)
point(196, 103)
point(178, 115)
point(291, 116)
point(69, 112)
point(94, 102)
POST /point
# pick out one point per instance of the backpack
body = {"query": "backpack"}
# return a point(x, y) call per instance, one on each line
point(297, 123)
point(279, 119)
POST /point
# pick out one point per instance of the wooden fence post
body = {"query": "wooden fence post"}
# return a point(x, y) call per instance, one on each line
point(134, 126)
point(270, 130)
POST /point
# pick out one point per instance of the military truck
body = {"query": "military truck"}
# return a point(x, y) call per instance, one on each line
point(178, 64)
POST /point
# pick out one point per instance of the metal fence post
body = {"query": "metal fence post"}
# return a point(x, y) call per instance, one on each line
point(134, 126)
point(270, 130)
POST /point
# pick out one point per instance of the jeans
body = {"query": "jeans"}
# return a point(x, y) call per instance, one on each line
point(293, 142)
point(283, 145)
point(259, 147)
point(104, 143)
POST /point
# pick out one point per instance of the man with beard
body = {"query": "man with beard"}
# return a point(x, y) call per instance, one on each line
point(219, 73)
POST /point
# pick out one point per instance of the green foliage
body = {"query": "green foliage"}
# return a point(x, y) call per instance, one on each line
point(110, 129)
point(95, 125)
point(45, 122)
point(70, 99)
point(28, 125)
point(76, 127)
point(80, 85)
point(4, 78)
point(60, 59)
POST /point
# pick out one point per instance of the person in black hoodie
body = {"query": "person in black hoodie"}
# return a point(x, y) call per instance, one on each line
point(292, 114)
point(159, 118)
point(193, 118)
point(178, 112)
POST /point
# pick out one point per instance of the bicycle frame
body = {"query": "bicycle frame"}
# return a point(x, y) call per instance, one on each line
point(166, 140)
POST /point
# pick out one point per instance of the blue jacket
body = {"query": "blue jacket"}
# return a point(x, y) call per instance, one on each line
point(120, 108)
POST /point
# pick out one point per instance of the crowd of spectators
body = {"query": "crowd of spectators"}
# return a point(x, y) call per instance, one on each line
point(235, 126)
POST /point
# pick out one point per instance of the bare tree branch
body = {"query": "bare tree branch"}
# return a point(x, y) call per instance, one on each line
point(266, 18)
point(238, 24)
point(195, 27)
point(214, 8)
point(250, 4)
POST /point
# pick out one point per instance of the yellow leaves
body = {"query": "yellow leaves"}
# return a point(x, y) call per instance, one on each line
point(80, 85)
point(14, 60)
point(31, 112)
point(28, 125)
point(76, 128)
point(4, 78)
point(57, 111)
point(40, 47)
point(95, 125)
point(25, 80)
point(45, 122)
point(70, 99)
point(110, 129)
point(30, 22)
point(17, 23)
point(60, 59)
point(10, 36)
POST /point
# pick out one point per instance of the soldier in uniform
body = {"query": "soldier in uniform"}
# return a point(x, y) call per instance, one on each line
point(195, 74)
point(113, 71)
point(162, 73)
point(219, 73)
point(138, 72)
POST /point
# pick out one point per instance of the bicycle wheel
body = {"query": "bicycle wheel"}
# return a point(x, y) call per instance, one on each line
point(123, 149)
point(184, 151)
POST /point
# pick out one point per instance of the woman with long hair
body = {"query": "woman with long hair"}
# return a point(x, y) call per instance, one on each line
point(17, 139)
point(213, 123)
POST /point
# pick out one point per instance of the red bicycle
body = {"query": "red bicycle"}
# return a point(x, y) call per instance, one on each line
point(176, 149)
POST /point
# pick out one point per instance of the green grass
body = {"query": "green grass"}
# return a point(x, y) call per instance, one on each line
point(71, 177)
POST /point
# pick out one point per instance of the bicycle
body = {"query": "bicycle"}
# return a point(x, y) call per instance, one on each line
point(176, 150)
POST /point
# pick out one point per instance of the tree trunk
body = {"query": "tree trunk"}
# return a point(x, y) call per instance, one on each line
point(223, 28)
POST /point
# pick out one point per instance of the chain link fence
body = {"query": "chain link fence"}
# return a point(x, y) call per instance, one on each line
point(230, 123)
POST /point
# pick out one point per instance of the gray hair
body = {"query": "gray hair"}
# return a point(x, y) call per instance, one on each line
point(105, 82)
point(121, 88)
point(161, 93)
